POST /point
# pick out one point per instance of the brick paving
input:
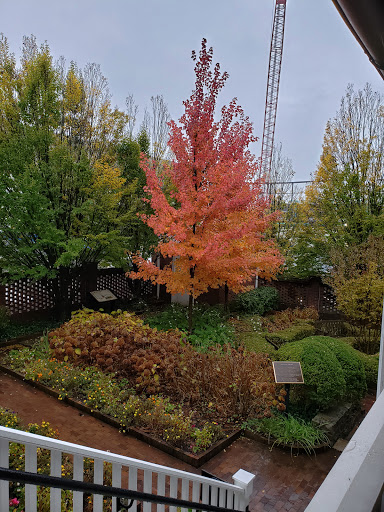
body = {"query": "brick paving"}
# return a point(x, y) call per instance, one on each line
point(283, 482)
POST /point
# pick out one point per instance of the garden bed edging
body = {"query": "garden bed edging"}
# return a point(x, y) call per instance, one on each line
point(192, 459)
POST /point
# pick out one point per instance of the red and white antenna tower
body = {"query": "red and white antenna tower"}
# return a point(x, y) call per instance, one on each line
point(273, 82)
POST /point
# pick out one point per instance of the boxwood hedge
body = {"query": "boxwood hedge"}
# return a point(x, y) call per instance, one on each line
point(324, 382)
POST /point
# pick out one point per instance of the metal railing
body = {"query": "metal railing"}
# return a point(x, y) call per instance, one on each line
point(160, 486)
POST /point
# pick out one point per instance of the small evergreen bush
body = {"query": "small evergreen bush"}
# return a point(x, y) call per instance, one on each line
point(324, 382)
point(351, 364)
point(332, 370)
point(371, 367)
point(257, 301)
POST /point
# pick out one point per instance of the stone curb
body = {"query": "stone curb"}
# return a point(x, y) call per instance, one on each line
point(194, 460)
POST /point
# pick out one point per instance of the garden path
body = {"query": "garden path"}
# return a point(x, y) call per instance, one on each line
point(283, 483)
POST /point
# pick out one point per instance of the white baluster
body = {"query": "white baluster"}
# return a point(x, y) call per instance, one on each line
point(78, 474)
point(173, 491)
point(230, 499)
point(98, 479)
point(31, 467)
point(185, 491)
point(160, 489)
point(116, 482)
point(4, 484)
point(205, 497)
point(148, 489)
point(223, 498)
point(214, 495)
point(132, 484)
point(55, 497)
point(196, 492)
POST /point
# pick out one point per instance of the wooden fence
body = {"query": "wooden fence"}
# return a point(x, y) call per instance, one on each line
point(27, 299)
point(304, 293)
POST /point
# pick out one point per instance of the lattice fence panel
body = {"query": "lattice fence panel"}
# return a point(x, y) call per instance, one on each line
point(147, 289)
point(117, 283)
point(26, 296)
point(328, 302)
point(77, 292)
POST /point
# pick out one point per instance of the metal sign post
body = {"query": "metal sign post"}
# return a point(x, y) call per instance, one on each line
point(287, 373)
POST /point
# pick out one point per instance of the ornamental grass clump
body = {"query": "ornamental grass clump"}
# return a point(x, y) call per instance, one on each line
point(288, 431)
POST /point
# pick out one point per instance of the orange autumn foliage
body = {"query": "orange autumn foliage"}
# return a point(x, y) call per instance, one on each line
point(213, 217)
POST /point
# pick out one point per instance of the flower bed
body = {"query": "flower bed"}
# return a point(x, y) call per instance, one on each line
point(134, 375)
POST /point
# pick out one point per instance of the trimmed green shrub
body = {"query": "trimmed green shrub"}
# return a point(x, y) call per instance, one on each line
point(296, 332)
point(257, 301)
point(371, 367)
point(324, 382)
point(351, 364)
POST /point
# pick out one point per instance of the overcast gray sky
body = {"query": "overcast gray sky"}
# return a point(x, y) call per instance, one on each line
point(144, 48)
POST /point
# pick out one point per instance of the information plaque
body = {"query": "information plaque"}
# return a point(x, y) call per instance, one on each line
point(288, 372)
point(103, 295)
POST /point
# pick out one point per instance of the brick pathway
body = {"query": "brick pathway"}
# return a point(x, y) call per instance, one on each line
point(282, 482)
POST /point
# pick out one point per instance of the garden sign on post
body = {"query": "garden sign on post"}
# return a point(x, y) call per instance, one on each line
point(287, 372)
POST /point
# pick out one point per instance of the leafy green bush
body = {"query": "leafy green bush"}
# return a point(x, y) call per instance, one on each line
point(351, 364)
point(257, 301)
point(289, 431)
point(209, 324)
point(297, 332)
point(324, 382)
point(371, 367)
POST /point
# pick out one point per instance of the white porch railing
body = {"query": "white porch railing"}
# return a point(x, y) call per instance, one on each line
point(126, 473)
point(355, 483)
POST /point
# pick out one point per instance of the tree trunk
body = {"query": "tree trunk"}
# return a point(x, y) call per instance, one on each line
point(190, 313)
point(226, 290)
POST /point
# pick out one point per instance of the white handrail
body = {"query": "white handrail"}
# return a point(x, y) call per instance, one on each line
point(240, 492)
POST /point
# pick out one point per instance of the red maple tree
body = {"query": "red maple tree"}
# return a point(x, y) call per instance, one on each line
point(212, 215)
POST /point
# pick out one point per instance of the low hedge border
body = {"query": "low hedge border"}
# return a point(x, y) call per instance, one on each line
point(295, 333)
point(194, 460)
